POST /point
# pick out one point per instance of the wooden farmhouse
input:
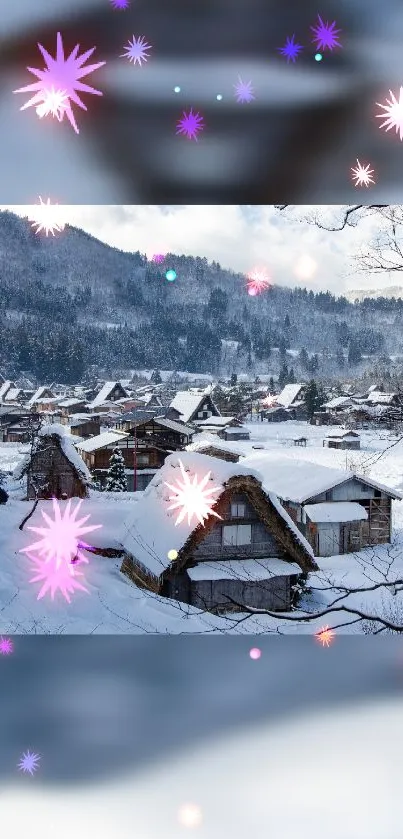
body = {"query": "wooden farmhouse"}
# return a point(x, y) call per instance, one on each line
point(337, 511)
point(110, 392)
point(53, 468)
point(144, 447)
point(213, 449)
point(248, 551)
point(85, 425)
point(43, 397)
point(194, 406)
point(348, 440)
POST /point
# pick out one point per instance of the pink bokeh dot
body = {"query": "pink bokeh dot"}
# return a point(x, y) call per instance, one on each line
point(252, 292)
point(255, 653)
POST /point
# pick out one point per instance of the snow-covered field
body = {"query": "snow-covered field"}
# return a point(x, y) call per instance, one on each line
point(114, 605)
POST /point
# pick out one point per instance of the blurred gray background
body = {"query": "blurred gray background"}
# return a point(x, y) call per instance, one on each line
point(295, 143)
point(306, 740)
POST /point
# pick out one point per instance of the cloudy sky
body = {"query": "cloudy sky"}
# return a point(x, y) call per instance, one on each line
point(240, 238)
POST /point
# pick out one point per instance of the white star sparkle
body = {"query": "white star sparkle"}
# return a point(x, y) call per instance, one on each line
point(393, 112)
point(362, 174)
point(46, 217)
point(192, 498)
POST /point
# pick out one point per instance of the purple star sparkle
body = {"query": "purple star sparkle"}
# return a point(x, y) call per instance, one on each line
point(6, 646)
point(120, 4)
point(291, 50)
point(29, 762)
point(61, 76)
point(136, 50)
point(325, 35)
point(158, 258)
point(243, 91)
point(190, 125)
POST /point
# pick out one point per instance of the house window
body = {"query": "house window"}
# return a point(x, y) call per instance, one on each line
point(237, 534)
point(205, 407)
point(328, 496)
point(200, 414)
point(377, 493)
point(142, 459)
point(238, 511)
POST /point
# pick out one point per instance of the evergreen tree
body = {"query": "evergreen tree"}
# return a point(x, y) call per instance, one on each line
point(313, 364)
point(291, 377)
point(234, 379)
point(271, 384)
point(313, 398)
point(156, 377)
point(340, 357)
point(304, 358)
point(283, 376)
point(116, 478)
point(354, 353)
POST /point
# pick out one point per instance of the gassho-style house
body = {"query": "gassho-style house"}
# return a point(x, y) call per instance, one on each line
point(248, 551)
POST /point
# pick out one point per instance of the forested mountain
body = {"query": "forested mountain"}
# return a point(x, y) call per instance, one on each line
point(71, 302)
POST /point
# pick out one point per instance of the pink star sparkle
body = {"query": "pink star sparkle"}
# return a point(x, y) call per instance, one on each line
point(61, 77)
point(120, 4)
point(325, 636)
point(6, 646)
point(59, 545)
point(258, 281)
point(362, 175)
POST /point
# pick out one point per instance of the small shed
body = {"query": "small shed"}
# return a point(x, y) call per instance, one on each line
point(234, 433)
point(344, 440)
point(337, 527)
point(300, 441)
point(54, 468)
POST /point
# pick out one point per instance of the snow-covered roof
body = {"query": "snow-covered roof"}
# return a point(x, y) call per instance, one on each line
point(68, 403)
point(220, 422)
point(67, 446)
point(180, 427)
point(38, 395)
point(187, 403)
point(288, 394)
point(338, 402)
point(381, 398)
point(336, 511)
point(12, 394)
point(247, 570)
point(101, 440)
point(5, 387)
point(150, 543)
point(343, 435)
point(298, 480)
point(103, 394)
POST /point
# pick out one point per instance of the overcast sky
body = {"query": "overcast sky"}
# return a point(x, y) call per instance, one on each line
point(240, 238)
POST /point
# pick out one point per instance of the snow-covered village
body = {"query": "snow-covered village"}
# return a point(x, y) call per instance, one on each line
point(267, 499)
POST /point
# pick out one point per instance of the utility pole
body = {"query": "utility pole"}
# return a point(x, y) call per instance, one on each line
point(135, 452)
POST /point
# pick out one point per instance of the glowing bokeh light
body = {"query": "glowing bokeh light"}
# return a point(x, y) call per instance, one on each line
point(305, 267)
point(177, 89)
point(61, 74)
point(255, 653)
point(172, 555)
point(318, 56)
point(192, 498)
point(190, 815)
point(170, 275)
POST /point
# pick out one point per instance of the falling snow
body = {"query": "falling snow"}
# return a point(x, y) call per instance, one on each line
point(137, 50)
point(190, 125)
point(61, 74)
point(393, 112)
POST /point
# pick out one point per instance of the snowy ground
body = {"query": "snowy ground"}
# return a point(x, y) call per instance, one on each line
point(114, 605)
